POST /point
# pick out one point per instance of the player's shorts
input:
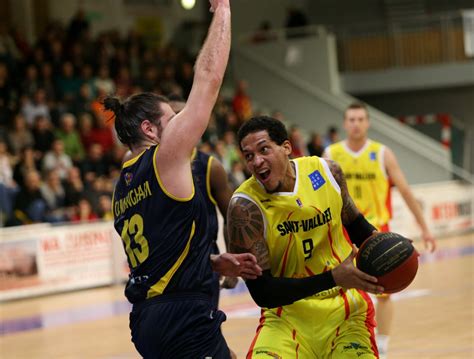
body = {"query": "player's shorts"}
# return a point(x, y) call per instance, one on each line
point(336, 324)
point(216, 286)
point(178, 326)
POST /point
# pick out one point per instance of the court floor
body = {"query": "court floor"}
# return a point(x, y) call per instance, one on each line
point(434, 317)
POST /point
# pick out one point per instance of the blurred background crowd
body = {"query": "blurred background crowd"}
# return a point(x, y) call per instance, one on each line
point(59, 155)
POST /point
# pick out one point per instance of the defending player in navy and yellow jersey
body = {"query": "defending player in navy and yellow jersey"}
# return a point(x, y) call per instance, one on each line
point(291, 214)
point(162, 217)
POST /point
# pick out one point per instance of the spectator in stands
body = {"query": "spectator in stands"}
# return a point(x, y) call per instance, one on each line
point(105, 207)
point(8, 93)
point(237, 174)
point(20, 136)
point(94, 165)
point(56, 56)
point(27, 163)
point(31, 82)
point(264, 33)
point(295, 20)
point(241, 102)
point(39, 106)
point(185, 77)
point(123, 82)
point(87, 77)
point(8, 186)
point(54, 195)
point(331, 137)
point(315, 145)
point(73, 187)
point(103, 133)
point(83, 101)
point(57, 159)
point(47, 82)
point(103, 83)
point(86, 129)
point(43, 135)
point(83, 212)
point(231, 149)
point(68, 84)
point(78, 26)
point(298, 148)
point(29, 207)
point(70, 137)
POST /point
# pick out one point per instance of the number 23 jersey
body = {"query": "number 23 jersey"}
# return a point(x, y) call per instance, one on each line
point(165, 238)
point(303, 228)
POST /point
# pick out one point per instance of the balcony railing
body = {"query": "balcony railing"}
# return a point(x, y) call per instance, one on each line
point(412, 42)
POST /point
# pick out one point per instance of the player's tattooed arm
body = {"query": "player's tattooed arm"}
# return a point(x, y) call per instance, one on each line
point(245, 229)
point(349, 210)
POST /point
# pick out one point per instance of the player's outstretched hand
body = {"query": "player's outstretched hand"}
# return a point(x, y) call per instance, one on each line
point(429, 241)
point(236, 265)
point(216, 3)
point(346, 275)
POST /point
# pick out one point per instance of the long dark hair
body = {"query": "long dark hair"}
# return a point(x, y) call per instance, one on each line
point(130, 114)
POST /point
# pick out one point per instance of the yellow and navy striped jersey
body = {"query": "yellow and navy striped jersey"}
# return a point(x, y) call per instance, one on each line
point(165, 238)
point(366, 179)
point(303, 228)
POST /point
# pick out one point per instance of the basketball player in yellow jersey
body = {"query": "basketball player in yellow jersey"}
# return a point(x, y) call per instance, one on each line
point(290, 214)
point(370, 168)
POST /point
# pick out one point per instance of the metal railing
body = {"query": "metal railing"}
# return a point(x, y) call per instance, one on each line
point(411, 42)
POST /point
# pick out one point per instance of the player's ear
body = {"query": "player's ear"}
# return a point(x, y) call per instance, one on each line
point(287, 147)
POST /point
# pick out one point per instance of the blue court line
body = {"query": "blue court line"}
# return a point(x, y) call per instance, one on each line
point(120, 307)
point(70, 316)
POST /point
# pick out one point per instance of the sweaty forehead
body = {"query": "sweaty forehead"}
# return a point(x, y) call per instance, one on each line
point(255, 139)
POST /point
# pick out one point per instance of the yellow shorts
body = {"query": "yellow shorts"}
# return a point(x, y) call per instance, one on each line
point(334, 324)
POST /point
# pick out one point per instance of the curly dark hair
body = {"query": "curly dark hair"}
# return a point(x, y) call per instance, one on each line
point(275, 128)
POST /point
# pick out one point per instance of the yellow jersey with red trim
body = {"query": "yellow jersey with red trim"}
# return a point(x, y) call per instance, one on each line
point(366, 179)
point(303, 228)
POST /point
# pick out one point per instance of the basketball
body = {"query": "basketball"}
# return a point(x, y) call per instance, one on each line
point(391, 258)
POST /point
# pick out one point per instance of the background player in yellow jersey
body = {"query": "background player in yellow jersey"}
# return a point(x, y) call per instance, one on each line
point(370, 168)
point(291, 214)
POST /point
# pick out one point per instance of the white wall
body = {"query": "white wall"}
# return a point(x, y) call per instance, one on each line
point(114, 14)
point(409, 78)
point(247, 15)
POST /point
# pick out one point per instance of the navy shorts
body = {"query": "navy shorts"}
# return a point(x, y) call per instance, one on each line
point(178, 326)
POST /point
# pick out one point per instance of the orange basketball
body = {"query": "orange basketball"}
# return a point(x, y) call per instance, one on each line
point(391, 258)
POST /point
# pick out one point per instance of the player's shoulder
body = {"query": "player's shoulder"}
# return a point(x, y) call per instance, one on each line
point(375, 145)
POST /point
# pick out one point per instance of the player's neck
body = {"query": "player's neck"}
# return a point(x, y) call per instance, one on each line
point(356, 144)
point(288, 183)
point(137, 149)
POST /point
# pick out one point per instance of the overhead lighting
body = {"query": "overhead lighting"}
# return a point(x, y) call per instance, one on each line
point(188, 4)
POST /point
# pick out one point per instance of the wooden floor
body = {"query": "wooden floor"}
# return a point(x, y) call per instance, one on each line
point(434, 316)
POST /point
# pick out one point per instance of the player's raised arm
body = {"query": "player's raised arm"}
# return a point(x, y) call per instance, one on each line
point(181, 135)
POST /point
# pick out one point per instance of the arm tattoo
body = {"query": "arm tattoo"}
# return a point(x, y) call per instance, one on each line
point(349, 209)
point(246, 230)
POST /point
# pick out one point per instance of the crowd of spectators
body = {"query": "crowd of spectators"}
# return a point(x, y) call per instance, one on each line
point(59, 155)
